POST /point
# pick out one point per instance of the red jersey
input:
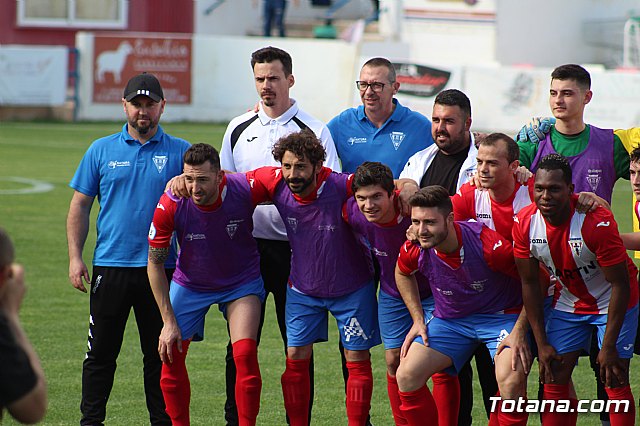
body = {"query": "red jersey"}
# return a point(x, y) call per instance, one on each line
point(574, 253)
point(472, 203)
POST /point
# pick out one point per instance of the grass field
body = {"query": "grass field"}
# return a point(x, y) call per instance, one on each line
point(55, 314)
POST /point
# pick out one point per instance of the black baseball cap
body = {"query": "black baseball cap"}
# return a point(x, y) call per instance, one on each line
point(143, 84)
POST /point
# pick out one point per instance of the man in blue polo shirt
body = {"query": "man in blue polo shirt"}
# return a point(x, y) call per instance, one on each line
point(127, 171)
point(380, 129)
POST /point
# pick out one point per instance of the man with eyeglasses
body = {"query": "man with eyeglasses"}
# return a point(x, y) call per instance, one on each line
point(381, 129)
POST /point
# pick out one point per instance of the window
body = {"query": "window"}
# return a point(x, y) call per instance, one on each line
point(73, 13)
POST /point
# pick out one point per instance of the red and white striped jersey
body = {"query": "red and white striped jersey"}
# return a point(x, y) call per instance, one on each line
point(574, 253)
point(471, 203)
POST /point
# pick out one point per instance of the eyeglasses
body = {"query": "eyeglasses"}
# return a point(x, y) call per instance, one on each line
point(375, 86)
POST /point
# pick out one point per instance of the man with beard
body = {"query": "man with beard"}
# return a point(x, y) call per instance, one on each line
point(128, 172)
point(218, 264)
point(451, 162)
point(330, 272)
point(247, 145)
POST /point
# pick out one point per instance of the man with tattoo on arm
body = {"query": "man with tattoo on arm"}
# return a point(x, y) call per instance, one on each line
point(218, 263)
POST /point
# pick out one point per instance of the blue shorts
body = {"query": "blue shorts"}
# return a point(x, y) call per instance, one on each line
point(395, 319)
point(190, 307)
point(458, 338)
point(355, 313)
point(569, 332)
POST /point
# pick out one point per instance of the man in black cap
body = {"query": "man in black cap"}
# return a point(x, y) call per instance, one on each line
point(127, 171)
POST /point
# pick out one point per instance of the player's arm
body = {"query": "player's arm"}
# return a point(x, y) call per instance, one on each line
point(170, 334)
point(406, 266)
point(77, 231)
point(159, 242)
point(612, 369)
point(631, 240)
point(498, 253)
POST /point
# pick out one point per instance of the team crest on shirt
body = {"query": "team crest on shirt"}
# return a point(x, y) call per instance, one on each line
point(293, 223)
point(396, 139)
point(478, 285)
point(576, 245)
point(593, 178)
point(231, 229)
point(160, 161)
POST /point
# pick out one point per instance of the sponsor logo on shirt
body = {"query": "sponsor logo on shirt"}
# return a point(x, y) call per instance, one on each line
point(160, 206)
point(354, 140)
point(483, 216)
point(152, 230)
point(498, 244)
point(539, 241)
point(379, 252)
point(396, 139)
point(326, 228)
point(113, 164)
point(193, 237)
point(160, 161)
point(445, 292)
point(628, 347)
point(607, 223)
point(252, 139)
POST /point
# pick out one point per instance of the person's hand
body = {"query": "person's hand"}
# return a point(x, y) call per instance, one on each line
point(613, 372)
point(536, 130)
point(412, 234)
point(588, 202)
point(475, 181)
point(417, 329)
point(178, 186)
point(522, 174)
point(408, 189)
point(479, 137)
point(520, 351)
point(547, 355)
point(13, 291)
point(169, 336)
point(79, 274)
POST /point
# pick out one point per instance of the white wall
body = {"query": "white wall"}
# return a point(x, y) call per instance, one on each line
point(547, 33)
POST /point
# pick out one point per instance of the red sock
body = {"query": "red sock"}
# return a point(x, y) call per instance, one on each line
point(394, 400)
point(513, 418)
point(176, 389)
point(418, 407)
point(295, 389)
point(359, 390)
point(446, 394)
point(621, 418)
point(248, 381)
point(557, 392)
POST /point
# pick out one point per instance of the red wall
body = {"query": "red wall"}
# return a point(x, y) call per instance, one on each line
point(167, 16)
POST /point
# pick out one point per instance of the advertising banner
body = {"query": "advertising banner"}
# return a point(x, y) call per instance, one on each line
point(118, 58)
point(34, 76)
